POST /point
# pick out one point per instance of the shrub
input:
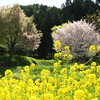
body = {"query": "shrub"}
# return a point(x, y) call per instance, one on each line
point(3, 50)
point(16, 60)
point(5, 61)
point(78, 36)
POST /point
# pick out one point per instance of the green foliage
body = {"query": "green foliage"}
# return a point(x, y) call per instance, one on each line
point(16, 60)
point(46, 62)
point(21, 60)
point(94, 19)
point(54, 29)
point(40, 64)
point(3, 50)
point(5, 61)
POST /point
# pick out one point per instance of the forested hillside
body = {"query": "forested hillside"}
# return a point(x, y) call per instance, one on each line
point(46, 17)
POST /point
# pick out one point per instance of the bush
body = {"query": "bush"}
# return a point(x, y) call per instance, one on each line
point(95, 19)
point(79, 36)
point(22, 51)
point(3, 50)
point(16, 60)
point(5, 61)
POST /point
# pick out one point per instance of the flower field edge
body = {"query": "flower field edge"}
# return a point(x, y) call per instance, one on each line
point(75, 83)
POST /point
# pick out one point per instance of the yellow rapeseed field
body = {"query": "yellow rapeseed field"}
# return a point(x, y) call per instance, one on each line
point(74, 83)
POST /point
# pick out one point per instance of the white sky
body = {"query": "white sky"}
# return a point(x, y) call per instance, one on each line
point(51, 3)
point(56, 3)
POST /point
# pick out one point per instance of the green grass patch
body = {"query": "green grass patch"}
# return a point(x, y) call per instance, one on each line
point(46, 62)
point(39, 65)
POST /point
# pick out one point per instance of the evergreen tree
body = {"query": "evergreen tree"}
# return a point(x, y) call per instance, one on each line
point(46, 44)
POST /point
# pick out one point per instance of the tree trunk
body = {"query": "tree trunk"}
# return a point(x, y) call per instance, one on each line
point(11, 52)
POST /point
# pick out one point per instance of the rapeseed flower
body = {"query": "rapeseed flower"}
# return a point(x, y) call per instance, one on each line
point(64, 84)
point(93, 64)
point(98, 69)
point(92, 49)
point(8, 73)
point(57, 46)
point(81, 66)
point(63, 71)
point(67, 49)
point(31, 67)
point(79, 95)
point(72, 68)
point(98, 48)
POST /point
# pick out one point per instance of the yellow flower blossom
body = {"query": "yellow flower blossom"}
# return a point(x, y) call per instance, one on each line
point(67, 83)
point(98, 69)
point(92, 49)
point(57, 46)
point(56, 65)
point(67, 49)
point(63, 71)
point(45, 72)
point(98, 48)
point(58, 55)
point(93, 64)
point(26, 69)
point(32, 66)
point(72, 68)
point(82, 66)
point(79, 95)
point(8, 73)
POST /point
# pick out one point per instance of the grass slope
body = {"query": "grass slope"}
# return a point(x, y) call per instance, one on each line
point(39, 65)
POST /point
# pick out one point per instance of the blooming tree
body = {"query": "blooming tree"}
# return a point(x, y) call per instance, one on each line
point(16, 29)
point(79, 36)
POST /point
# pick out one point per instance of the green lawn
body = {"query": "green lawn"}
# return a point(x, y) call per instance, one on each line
point(41, 64)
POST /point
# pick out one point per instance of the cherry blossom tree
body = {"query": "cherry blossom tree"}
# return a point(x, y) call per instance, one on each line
point(79, 36)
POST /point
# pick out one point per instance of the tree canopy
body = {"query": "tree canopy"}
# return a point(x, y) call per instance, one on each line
point(16, 29)
point(79, 36)
point(46, 17)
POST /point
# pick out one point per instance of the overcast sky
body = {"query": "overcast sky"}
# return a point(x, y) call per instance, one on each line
point(56, 3)
point(51, 3)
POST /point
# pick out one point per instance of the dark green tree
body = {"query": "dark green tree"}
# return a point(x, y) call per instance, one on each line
point(77, 9)
point(90, 7)
point(46, 44)
point(94, 19)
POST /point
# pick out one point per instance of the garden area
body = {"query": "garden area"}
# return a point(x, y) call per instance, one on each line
point(33, 69)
